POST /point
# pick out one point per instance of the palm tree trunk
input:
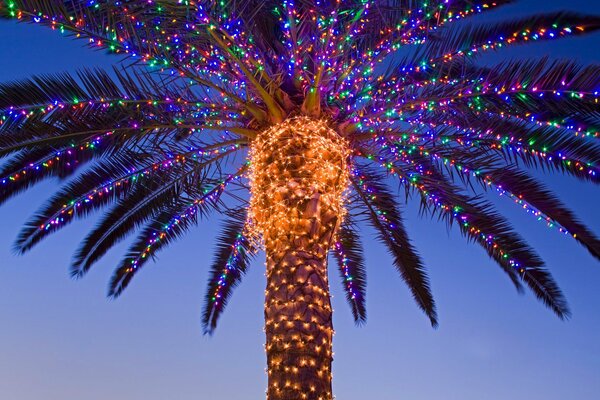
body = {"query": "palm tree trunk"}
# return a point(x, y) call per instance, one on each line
point(298, 179)
point(298, 322)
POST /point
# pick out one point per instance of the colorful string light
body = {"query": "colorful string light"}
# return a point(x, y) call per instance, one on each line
point(313, 93)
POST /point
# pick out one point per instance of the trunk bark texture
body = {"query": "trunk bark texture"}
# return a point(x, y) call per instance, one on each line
point(298, 179)
point(298, 325)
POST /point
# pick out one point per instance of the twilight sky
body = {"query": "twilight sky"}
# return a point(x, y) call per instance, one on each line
point(63, 340)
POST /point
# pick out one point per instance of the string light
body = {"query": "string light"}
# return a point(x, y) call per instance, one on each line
point(298, 180)
point(323, 91)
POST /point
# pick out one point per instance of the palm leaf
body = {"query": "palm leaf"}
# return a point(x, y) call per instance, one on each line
point(136, 257)
point(463, 40)
point(126, 27)
point(383, 216)
point(535, 193)
point(128, 214)
point(230, 263)
point(477, 221)
point(348, 254)
point(82, 195)
point(163, 229)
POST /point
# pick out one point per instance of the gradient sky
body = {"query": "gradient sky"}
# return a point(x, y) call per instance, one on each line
point(62, 339)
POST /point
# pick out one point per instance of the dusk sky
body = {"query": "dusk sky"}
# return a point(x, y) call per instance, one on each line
point(62, 339)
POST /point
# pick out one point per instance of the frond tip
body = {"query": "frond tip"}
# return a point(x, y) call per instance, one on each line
point(348, 254)
point(230, 264)
point(380, 207)
point(546, 290)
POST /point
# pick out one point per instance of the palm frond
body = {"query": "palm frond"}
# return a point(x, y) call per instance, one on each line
point(348, 254)
point(535, 193)
point(471, 39)
point(46, 93)
point(385, 218)
point(478, 221)
point(537, 86)
point(230, 263)
point(178, 221)
point(57, 112)
point(537, 147)
point(164, 229)
point(527, 192)
point(124, 27)
point(407, 24)
point(77, 198)
point(128, 214)
point(28, 167)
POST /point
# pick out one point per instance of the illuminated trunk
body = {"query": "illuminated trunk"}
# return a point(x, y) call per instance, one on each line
point(298, 324)
point(298, 178)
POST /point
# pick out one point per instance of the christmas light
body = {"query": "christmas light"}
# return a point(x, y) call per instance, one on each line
point(278, 112)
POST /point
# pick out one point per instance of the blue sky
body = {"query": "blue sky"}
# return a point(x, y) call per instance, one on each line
point(62, 339)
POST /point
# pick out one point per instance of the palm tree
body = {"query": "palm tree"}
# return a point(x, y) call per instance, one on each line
point(294, 120)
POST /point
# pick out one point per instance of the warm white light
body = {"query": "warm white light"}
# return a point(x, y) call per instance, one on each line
point(298, 176)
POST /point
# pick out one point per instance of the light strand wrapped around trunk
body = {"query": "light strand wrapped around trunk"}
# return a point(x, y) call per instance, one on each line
point(298, 180)
point(298, 176)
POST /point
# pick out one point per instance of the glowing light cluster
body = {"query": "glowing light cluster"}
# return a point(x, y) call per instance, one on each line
point(298, 180)
point(298, 173)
